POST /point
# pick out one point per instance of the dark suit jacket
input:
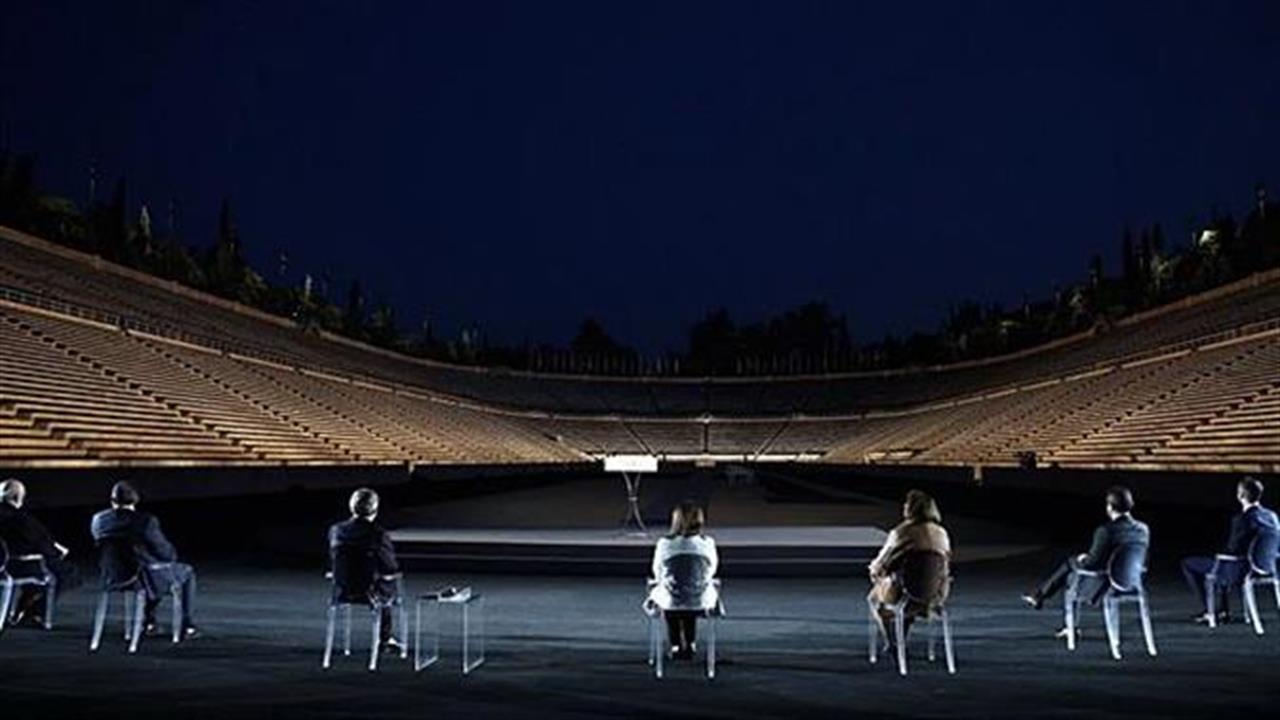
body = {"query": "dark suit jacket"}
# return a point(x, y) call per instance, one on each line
point(360, 554)
point(1111, 535)
point(1246, 525)
point(130, 541)
point(24, 534)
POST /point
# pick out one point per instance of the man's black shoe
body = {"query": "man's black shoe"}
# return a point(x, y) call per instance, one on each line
point(391, 645)
point(190, 632)
point(1203, 618)
point(26, 618)
point(1034, 600)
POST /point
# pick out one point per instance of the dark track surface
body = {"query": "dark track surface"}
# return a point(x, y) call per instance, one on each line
point(574, 647)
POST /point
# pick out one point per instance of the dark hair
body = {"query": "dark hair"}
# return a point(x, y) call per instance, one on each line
point(122, 493)
point(1119, 498)
point(920, 507)
point(1251, 488)
point(687, 519)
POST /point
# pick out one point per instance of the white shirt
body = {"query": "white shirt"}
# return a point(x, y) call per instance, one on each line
point(668, 547)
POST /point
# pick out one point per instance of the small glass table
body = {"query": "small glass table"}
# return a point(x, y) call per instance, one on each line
point(471, 603)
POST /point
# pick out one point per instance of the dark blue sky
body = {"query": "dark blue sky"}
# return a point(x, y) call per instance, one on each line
point(523, 165)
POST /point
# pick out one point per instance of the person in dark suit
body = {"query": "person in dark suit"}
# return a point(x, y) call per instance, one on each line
point(1252, 519)
point(1120, 529)
point(157, 556)
point(25, 536)
point(363, 562)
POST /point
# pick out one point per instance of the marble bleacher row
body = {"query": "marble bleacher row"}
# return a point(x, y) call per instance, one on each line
point(199, 380)
point(33, 266)
point(72, 391)
point(1215, 408)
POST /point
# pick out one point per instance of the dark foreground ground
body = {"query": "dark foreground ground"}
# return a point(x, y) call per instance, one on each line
point(574, 647)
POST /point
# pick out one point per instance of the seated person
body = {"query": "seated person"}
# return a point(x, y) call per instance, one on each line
point(156, 555)
point(682, 610)
point(26, 536)
point(1120, 529)
point(920, 531)
point(363, 562)
point(1245, 527)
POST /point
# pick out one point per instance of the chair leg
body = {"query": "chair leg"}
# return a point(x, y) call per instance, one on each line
point(128, 616)
point(947, 646)
point(662, 651)
point(99, 621)
point(50, 599)
point(712, 622)
point(1211, 599)
point(873, 633)
point(5, 601)
point(900, 630)
point(328, 637)
point(404, 631)
point(1251, 604)
point(651, 633)
point(1144, 609)
point(346, 631)
point(375, 641)
point(139, 613)
point(176, 596)
point(1110, 616)
point(933, 638)
point(1069, 613)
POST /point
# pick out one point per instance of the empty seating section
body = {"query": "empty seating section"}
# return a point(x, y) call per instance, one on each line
point(73, 391)
point(671, 438)
point(1217, 408)
point(597, 437)
point(811, 437)
point(62, 391)
point(101, 364)
point(741, 438)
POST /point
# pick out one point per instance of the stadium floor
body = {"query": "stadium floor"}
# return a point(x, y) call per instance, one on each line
point(574, 648)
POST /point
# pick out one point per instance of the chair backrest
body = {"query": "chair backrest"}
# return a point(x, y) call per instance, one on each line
point(118, 562)
point(1127, 565)
point(686, 578)
point(355, 570)
point(924, 576)
point(1263, 551)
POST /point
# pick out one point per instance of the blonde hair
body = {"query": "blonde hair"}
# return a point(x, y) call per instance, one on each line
point(687, 519)
point(920, 507)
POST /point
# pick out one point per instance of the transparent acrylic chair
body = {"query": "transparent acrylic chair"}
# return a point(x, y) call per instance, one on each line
point(690, 576)
point(1262, 571)
point(25, 571)
point(134, 592)
point(1123, 583)
point(122, 573)
point(345, 602)
point(925, 582)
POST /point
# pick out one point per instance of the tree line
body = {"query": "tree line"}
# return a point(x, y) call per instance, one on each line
point(810, 338)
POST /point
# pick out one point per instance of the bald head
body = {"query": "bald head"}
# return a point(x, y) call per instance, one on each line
point(364, 503)
point(13, 492)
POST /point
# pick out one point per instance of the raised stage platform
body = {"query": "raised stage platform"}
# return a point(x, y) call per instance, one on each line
point(744, 551)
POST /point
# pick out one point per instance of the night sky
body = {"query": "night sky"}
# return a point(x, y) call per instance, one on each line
point(523, 165)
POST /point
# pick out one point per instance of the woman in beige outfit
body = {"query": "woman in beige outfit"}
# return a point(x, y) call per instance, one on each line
point(920, 531)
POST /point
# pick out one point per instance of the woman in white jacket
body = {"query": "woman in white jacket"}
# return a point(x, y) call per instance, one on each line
point(681, 604)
